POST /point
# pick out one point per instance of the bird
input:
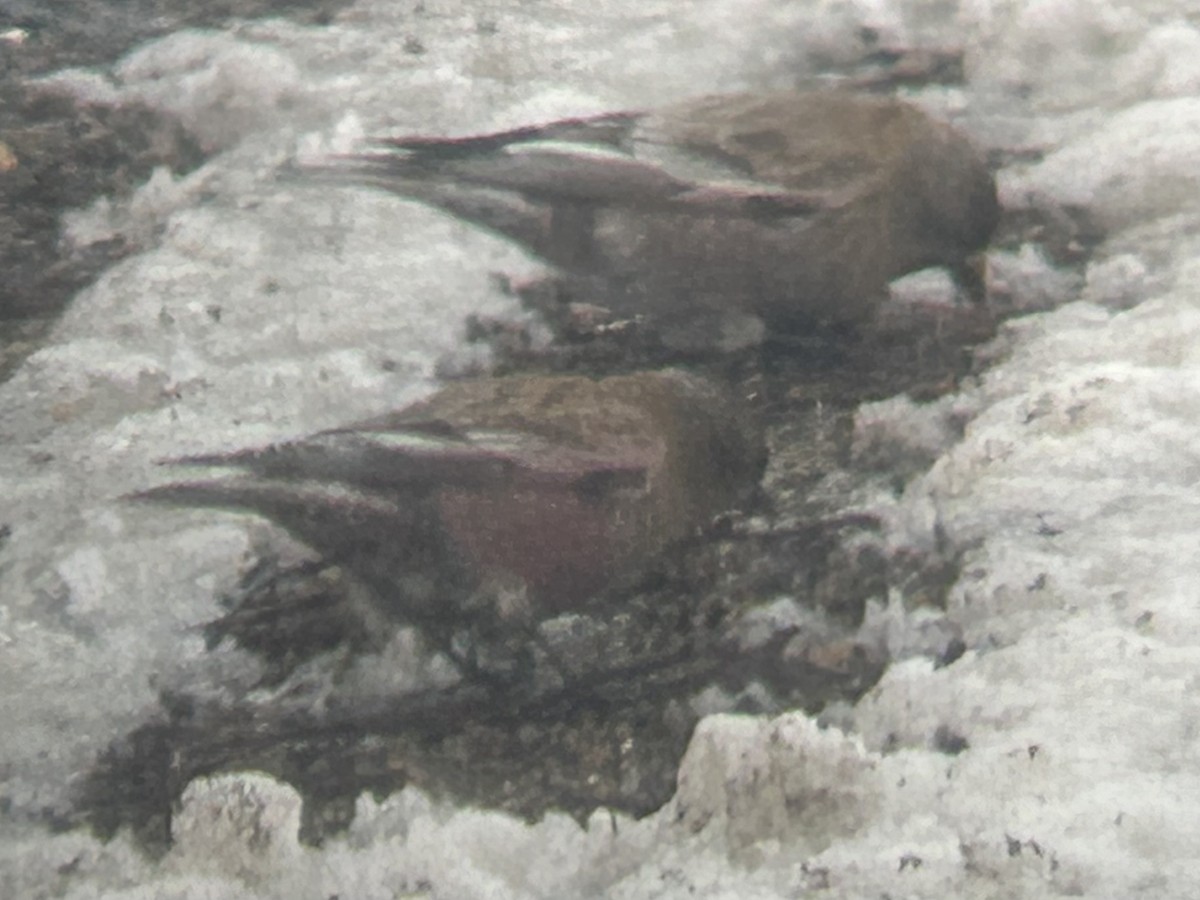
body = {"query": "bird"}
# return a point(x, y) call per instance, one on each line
point(723, 219)
point(500, 500)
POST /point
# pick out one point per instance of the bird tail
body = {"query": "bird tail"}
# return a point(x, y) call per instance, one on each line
point(506, 213)
point(288, 502)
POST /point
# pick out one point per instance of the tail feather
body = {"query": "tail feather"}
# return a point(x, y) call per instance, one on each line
point(278, 499)
point(382, 460)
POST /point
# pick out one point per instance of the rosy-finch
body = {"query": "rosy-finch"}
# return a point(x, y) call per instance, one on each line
point(507, 498)
point(718, 215)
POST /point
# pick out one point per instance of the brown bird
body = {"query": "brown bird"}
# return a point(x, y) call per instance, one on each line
point(789, 209)
point(502, 498)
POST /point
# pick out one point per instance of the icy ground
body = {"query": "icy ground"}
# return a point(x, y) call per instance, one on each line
point(267, 309)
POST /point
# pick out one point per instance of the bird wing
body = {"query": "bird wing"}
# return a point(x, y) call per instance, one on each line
point(427, 455)
point(321, 505)
point(599, 162)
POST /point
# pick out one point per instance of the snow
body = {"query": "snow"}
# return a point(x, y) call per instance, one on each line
point(1067, 474)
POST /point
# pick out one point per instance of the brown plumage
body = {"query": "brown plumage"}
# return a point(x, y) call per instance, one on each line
point(794, 208)
point(519, 496)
